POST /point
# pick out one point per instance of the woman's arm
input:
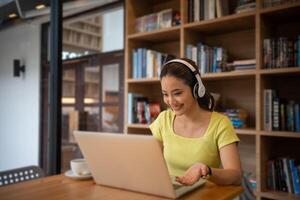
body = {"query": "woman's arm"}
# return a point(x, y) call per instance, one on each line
point(231, 172)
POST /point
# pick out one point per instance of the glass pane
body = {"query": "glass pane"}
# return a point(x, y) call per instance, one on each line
point(110, 118)
point(91, 84)
point(92, 122)
point(68, 84)
point(110, 87)
point(65, 125)
point(81, 36)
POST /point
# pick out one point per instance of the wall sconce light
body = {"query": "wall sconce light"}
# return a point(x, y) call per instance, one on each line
point(18, 68)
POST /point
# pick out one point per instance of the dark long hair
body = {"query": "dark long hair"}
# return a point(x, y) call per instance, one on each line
point(183, 73)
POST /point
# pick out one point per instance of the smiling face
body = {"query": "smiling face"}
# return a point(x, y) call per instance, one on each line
point(177, 95)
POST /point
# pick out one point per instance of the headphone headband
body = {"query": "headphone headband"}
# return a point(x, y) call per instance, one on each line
point(201, 88)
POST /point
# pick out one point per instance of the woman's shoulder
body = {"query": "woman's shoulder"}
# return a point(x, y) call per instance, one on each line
point(218, 115)
point(166, 115)
point(220, 118)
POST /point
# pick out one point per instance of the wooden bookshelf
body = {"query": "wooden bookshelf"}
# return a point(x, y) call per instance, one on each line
point(172, 33)
point(284, 134)
point(279, 195)
point(242, 35)
point(290, 70)
point(224, 24)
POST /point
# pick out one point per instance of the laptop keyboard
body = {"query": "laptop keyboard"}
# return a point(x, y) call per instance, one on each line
point(176, 186)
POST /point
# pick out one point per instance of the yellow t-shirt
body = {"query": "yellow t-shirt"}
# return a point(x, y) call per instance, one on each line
point(181, 152)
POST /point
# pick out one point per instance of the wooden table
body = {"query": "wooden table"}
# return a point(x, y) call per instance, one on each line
point(60, 187)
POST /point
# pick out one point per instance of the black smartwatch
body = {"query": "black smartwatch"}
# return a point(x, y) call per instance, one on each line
point(209, 170)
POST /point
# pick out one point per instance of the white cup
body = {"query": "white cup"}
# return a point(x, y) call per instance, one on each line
point(79, 167)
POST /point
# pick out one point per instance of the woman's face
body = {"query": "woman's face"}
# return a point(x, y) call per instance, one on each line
point(177, 95)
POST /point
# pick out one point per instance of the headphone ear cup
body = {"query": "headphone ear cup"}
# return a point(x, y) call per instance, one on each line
point(201, 91)
point(195, 91)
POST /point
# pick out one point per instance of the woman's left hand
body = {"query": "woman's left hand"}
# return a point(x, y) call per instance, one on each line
point(193, 174)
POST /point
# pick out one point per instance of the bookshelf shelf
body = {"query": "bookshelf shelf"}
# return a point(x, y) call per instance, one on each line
point(246, 131)
point(207, 76)
point(288, 7)
point(287, 134)
point(232, 74)
point(279, 71)
point(166, 34)
point(279, 195)
point(242, 36)
point(224, 24)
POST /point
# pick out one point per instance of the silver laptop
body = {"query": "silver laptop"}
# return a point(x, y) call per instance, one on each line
point(132, 162)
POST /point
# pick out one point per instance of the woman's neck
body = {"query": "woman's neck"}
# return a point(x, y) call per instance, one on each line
point(195, 115)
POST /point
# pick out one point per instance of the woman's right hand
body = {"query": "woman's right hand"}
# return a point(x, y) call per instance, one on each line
point(193, 174)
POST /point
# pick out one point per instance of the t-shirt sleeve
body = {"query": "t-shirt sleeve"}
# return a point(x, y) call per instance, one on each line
point(156, 127)
point(226, 133)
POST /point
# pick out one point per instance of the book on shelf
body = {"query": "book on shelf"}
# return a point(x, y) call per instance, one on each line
point(147, 63)
point(280, 114)
point(293, 164)
point(141, 110)
point(268, 97)
point(275, 113)
point(154, 110)
point(237, 117)
point(245, 6)
point(287, 175)
point(209, 59)
point(211, 9)
point(244, 64)
point(222, 8)
point(290, 116)
point(154, 21)
point(199, 10)
point(281, 52)
point(165, 18)
point(283, 175)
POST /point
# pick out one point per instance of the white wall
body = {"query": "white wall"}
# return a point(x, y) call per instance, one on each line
point(19, 97)
point(113, 30)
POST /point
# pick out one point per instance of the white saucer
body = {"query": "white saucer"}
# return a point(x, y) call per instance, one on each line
point(70, 174)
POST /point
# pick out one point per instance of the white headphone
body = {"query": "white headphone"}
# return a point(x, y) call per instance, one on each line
point(199, 89)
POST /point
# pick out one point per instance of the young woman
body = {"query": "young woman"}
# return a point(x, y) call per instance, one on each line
point(196, 140)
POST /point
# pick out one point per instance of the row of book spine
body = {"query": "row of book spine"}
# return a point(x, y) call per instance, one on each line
point(280, 114)
point(281, 52)
point(199, 10)
point(208, 59)
point(163, 19)
point(147, 63)
point(283, 175)
point(141, 110)
point(269, 3)
point(206, 9)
